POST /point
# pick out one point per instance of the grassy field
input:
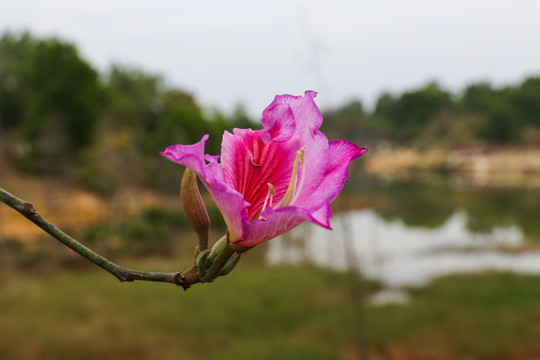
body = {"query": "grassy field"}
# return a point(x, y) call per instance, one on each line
point(259, 312)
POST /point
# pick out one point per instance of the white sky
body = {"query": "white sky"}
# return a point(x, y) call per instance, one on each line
point(227, 52)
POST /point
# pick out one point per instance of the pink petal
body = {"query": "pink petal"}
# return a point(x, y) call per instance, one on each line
point(249, 166)
point(276, 222)
point(315, 161)
point(340, 155)
point(278, 122)
point(230, 202)
point(307, 117)
point(322, 216)
point(315, 208)
point(305, 123)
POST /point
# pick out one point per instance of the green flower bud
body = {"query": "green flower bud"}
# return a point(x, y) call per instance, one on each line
point(230, 264)
point(202, 262)
point(218, 248)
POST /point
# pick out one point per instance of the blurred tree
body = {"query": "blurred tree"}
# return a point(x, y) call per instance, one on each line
point(403, 119)
point(14, 50)
point(385, 112)
point(62, 86)
point(347, 122)
point(50, 96)
point(449, 129)
point(476, 96)
point(495, 111)
point(240, 118)
point(141, 118)
point(134, 98)
point(57, 115)
point(133, 104)
point(527, 103)
point(182, 121)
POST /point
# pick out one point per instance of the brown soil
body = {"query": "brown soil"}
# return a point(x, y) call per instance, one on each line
point(65, 205)
point(480, 166)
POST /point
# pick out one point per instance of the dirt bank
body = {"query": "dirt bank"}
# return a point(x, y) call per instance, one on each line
point(480, 165)
point(66, 205)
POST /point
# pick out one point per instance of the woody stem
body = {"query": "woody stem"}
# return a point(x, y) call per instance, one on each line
point(184, 279)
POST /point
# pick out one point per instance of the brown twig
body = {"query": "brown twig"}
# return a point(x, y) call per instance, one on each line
point(182, 278)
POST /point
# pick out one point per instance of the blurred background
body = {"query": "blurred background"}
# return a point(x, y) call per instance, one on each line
point(435, 252)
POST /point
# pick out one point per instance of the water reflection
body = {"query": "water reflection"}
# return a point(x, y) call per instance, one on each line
point(430, 205)
point(400, 254)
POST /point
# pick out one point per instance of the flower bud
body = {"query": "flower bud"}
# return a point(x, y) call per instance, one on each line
point(230, 264)
point(202, 262)
point(218, 248)
point(194, 208)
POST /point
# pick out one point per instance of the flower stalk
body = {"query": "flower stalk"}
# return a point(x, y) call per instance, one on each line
point(27, 210)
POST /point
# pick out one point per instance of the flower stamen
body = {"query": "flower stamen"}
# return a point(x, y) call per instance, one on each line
point(292, 189)
point(301, 183)
point(269, 196)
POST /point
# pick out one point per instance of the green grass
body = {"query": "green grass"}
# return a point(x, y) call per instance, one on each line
point(250, 314)
point(258, 312)
point(481, 316)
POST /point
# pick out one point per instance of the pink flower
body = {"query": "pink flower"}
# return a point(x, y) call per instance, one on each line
point(273, 179)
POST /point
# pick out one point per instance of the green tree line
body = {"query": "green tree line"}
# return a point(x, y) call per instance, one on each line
point(433, 116)
point(59, 115)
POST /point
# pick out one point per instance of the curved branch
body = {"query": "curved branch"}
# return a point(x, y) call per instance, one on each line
point(181, 278)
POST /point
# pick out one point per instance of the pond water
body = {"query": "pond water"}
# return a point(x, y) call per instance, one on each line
point(408, 235)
